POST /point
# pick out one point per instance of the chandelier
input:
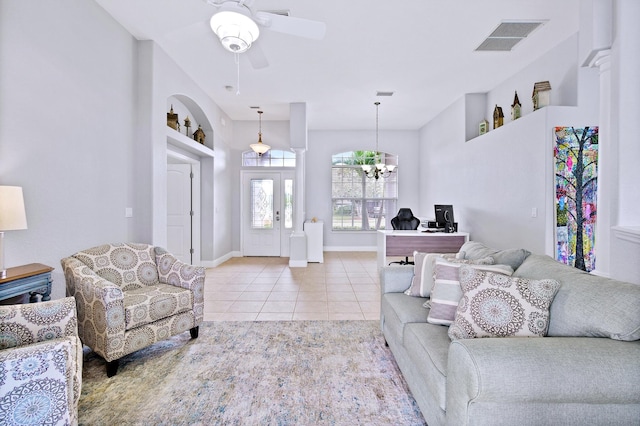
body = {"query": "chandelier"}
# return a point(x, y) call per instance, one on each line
point(260, 148)
point(379, 169)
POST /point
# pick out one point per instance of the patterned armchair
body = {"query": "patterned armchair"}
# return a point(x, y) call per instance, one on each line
point(130, 296)
point(40, 363)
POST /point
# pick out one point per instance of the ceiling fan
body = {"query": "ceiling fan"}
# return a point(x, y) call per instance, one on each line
point(237, 25)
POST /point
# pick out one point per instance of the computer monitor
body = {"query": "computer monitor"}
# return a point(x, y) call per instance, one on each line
point(444, 217)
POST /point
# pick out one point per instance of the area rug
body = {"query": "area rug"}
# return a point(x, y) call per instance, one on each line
point(254, 373)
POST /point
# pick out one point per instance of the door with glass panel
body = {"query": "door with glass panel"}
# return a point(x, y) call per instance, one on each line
point(267, 212)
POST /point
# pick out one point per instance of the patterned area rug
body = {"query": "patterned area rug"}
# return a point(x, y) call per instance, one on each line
point(254, 373)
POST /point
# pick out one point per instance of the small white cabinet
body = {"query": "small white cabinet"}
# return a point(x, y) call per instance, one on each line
point(313, 231)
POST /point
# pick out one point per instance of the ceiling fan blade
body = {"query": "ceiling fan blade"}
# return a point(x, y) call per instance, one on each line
point(256, 56)
point(289, 25)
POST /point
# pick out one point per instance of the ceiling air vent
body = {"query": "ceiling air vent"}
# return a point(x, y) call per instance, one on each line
point(379, 93)
point(507, 35)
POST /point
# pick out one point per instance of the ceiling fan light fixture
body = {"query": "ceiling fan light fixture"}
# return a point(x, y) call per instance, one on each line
point(235, 30)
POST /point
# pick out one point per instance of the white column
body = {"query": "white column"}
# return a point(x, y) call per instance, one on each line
point(607, 170)
point(298, 256)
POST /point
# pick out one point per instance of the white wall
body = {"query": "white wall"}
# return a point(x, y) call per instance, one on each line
point(274, 134)
point(496, 180)
point(625, 69)
point(159, 78)
point(67, 96)
point(83, 131)
point(323, 144)
point(559, 66)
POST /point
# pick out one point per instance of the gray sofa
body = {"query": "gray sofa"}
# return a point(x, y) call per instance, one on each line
point(585, 372)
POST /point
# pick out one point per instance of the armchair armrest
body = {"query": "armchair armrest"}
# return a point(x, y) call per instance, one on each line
point(26, 324)
point(98, 301)
point(395, 279)
point(175, 272)
point(488, 374)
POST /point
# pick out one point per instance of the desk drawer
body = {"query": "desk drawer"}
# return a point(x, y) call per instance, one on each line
point(432, 243)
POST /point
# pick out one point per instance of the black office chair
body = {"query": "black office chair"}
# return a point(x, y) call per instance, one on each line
point(405, 221)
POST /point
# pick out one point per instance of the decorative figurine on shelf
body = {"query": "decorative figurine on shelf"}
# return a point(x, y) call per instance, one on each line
point(541, 94)
point(483, 127)
point(498, 117)
point(199, 135)
point(172, 120)
point(187, 124)
point(516, 108)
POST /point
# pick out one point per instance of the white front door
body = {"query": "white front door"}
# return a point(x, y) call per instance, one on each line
point(267, 212)
point(179, 211)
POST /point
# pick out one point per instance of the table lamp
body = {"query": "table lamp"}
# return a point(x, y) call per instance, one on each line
point(12, 217)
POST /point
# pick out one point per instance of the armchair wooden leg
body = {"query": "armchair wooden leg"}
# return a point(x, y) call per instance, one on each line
point(194, 332)
point(112, 367)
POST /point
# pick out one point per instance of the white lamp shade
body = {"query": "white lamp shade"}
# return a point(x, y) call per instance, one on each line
point(260, 148)
point(235, 30)
point(12, 213)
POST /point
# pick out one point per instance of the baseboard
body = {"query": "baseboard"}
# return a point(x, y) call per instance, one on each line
point(600, 273)
point(219, 261)
point(350, 248)
point(292, 263)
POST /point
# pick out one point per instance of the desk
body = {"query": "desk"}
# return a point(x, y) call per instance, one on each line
point(34, 278)
point(404, 243)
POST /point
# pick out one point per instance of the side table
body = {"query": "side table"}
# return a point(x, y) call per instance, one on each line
point(34, 278)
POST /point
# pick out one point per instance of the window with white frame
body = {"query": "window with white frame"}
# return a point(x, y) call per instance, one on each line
point(362, 203)
point(271, 158)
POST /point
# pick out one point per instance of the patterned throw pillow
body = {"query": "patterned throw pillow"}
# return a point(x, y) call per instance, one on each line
point(496, 305)
point(446, 291)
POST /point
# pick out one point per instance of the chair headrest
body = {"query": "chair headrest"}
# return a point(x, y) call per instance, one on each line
point(405, 214)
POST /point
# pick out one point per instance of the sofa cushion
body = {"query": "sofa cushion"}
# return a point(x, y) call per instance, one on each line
point(446, 292)
point(512, 257)
point(586, 304)
point(398, 309)
point(130, 266)
point(152, 303)
point(495, 305)
point(428, 348)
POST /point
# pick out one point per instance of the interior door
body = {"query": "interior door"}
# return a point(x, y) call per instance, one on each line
point(179, 211)
point(267, 220)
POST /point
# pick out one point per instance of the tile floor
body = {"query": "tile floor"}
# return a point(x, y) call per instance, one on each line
point(344, 287)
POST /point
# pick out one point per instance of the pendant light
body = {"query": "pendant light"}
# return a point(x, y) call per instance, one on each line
point(260, 148)
point(380, 169)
